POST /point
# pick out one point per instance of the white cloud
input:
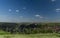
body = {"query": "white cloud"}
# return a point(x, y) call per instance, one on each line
point(17, 10)
point(10, 10)
point(39, 16)
point(53, 0)
point(58, 10)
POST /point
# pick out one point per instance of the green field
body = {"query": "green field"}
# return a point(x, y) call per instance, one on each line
point(30, 36)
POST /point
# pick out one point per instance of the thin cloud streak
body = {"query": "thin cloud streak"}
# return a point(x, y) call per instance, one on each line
point(39, 16)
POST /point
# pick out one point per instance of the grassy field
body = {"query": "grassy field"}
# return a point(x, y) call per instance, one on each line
point(30, 36)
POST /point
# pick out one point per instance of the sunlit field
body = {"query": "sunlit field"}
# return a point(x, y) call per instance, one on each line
point(48, 35)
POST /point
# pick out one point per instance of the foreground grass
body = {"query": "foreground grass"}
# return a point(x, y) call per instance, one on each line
point(48, 35)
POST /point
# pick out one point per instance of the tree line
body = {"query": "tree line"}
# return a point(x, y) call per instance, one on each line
point(33, 28)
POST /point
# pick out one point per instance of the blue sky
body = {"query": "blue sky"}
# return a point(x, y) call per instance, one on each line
point(29, 10)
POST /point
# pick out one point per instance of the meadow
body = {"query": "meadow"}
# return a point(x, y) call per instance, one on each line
point(48, 35)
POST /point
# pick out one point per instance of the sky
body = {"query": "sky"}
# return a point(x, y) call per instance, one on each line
point(29, 10)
